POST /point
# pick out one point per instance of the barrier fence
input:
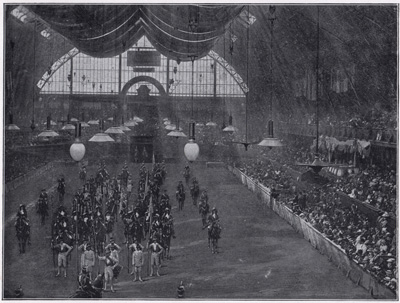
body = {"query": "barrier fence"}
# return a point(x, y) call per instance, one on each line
point(325, 246)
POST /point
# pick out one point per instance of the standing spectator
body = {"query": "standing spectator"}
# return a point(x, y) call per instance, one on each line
point(63, 251)
point(109, 223)
point(110, 262)
point(87, 258)
point(135, 245)
point(156, 250)
point(137, 263)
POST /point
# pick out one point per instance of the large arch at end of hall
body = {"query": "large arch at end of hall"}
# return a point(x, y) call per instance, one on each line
point(137, 79)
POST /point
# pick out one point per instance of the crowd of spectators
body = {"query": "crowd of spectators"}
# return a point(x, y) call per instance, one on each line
point(373, 185)
point(375, 118)
point(371, 244)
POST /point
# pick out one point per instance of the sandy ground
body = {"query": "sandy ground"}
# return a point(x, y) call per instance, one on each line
point(260, 255)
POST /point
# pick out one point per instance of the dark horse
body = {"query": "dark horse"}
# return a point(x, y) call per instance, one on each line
point(214, 233)
point(22, 229)
point(42, 208)
point(195, 192)
point(93, 291)
point(124, 177)
point(186, 174)
point(82, 175)
point(180, 197)
point(61, 190)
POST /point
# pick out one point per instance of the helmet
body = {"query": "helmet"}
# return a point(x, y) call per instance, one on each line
point(214, 209)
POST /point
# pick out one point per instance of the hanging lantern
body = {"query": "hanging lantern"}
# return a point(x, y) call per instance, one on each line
point(270, 141)
point(48, 132)
point(77, 149)
point(12, 126)
point(176, 134)
point(170, 127)
point(131, 123)
point(191, 149)
point(101, 137)
point(114, 130)
point(230, 128)
point(68, 127)
point(137, 119)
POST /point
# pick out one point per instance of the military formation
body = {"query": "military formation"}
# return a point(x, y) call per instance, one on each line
point(96, 206)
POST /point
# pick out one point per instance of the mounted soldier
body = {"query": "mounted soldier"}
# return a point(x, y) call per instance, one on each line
point(214, 230)
point(186, 174)
point(22, 211)
point(109, 224)
point(61, 188)
point(42, 206)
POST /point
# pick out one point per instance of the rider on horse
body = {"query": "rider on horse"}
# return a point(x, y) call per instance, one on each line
point(180, 188)
point(186, 173)
point(214, 229)
point(167, 219)
point(22, 211)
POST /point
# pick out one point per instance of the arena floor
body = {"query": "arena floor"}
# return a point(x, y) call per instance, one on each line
point(261, 256)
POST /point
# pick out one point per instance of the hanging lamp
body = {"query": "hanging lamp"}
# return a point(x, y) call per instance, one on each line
point(48, 132)
point(245, 143)
point(77, 149)
point(83, 123)
point(317, 164)
point(211, 122)
point(11, 126)
point(114, 129)
point(177, 133)
point(271, 141)
point(230, 128)
point(100, 136)
point(192, 149)
point(170, 127)
point(68, 126)
point(137, 119)
point(123, 127)
point(93, 121)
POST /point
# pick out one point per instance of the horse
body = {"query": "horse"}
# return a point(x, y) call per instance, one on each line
point(214, 233)
point(194, 192)
point(42, 209)
point(82, 175)
point(95, 291)
point(22, 229)
point(166, 238)
point(186, 174)
point(124, 177)
point(180, 197)
point(61, 190)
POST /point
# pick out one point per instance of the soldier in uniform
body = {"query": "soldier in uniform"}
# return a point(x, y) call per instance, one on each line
point(109, 223)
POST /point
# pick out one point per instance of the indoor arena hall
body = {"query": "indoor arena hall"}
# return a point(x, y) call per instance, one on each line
point(200, 152)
